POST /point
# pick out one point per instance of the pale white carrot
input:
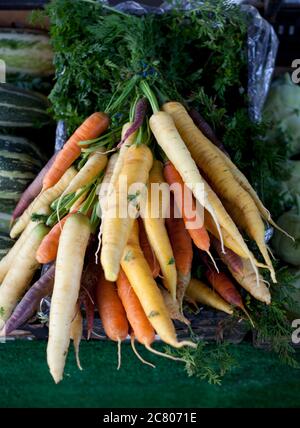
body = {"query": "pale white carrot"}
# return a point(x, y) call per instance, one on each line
point(69, 265)
point(95, 164)
point(76, 333)
point(10, 257)
point(20, 273)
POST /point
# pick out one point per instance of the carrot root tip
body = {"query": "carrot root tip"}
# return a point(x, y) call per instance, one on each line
point(119, 354)
point(186, 343)
point(96, 334)
point(248, 316)
point(57, 377)
point(261, 265)
point(266, 282)
point(271, 253)
point(138, 355)
point(213, 260)
point(281, 230)
point(76, 348)
point(162, 354)
point(99, 242)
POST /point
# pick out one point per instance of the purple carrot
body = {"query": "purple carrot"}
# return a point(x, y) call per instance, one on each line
point(32, 190)
point(30, 302)
point(206, 129)
point(229, 258)
point(87, 292)
point(140, 111)
point(89, 306)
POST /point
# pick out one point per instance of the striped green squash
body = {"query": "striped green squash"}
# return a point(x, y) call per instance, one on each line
point(5, 244)
point(20, 162)
point(22, 108)
point(26, 51)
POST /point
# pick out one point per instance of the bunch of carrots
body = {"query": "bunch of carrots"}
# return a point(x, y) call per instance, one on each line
point(135, 269)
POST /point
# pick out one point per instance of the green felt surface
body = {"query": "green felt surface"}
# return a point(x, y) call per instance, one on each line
point(259, 381)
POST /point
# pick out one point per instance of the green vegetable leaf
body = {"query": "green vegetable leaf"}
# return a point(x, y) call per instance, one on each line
point(39, 217)
point(207, 362)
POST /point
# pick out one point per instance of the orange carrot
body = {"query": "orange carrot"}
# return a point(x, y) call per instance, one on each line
point(111, 310)
point(148, 251)
point(225, 287)
point(182, 249)
point(199, 235)
point(47, 250)
point(142, 329)
point(243, 272)
point(91, 128)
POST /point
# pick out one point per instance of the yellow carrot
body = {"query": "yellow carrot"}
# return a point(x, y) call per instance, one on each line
point(103, 191)
point(69, 264)
point(163, 127)
point(79, 201)
point(230, 227)
point(197, 291)
point(20, 273)
point(229, 241)
point(238, 202)
point(95, 164)
point(242, 272)
point(140, 277)
point(117, 224)
point(43, 200)
point(247, 280)
point(10, 257)
point(258, 228)
point(244, 182)
point(105, 184)
point(114, 168)
point(233, 245)
point(157, 232)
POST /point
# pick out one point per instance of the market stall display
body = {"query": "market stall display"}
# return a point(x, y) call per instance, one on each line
point(129, 85)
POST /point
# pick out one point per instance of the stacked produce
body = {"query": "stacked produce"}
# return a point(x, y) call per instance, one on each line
point(28, 59)
point(65, 232)
point(21, 158)
point(26, 52)
point(137, 269)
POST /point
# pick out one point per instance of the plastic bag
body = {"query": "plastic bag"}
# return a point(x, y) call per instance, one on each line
point(262, 47)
